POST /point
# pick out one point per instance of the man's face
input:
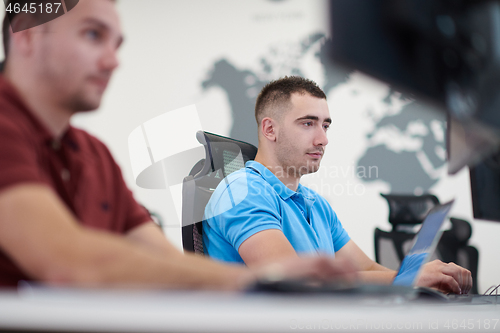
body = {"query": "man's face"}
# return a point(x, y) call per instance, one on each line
point(301, 135)
point(76, 54)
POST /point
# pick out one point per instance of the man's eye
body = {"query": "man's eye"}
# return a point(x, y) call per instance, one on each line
point(93, 34)
point(326, 127)
point(309, 123)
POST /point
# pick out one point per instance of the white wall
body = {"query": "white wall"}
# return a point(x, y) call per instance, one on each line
point(170, 49)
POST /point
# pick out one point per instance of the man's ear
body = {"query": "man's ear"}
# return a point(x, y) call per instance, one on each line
point(23, 38)
point(269, 128)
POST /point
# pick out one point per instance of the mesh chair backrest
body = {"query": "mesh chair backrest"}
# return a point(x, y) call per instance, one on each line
point(409, 209)
point(223, 157)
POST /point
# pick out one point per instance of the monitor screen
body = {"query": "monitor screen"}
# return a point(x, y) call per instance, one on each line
point(485, 188)
point(446, 52)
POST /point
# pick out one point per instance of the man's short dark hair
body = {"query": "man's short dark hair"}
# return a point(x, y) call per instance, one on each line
point(8, 18)
point(277, 94)
point(6, 31)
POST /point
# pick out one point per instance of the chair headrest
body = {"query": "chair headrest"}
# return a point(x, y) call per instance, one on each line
point(409, 209)
point(224, 153)
point(461, 229)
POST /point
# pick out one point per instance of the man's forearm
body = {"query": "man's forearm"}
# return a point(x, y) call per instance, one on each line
point(46, 241)
point(377, 277)
point(113, 261)
point(377, 274)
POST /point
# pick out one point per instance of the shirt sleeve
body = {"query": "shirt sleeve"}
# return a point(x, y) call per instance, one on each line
point(18, 156)
point(243, 208)
point(134, 213)
point(137, 214)
point(339, 235)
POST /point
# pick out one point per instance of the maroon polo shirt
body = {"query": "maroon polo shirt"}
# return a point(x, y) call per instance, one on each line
point(78, 167)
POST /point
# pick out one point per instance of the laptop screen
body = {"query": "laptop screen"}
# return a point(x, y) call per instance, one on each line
point(424, 245)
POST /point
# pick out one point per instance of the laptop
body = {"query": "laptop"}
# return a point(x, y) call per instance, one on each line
point(404, 284)
point(425, 243)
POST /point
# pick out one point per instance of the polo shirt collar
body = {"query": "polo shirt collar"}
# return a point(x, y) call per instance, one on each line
point(280, 188)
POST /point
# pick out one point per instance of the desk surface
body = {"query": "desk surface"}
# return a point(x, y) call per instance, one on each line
point(69, 310)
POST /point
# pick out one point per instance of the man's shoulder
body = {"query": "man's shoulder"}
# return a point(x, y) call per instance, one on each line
point(10, 115)
point(239, 181)
point(14, 125)
point(242, 185)
point(243, 176)
point(13, 112)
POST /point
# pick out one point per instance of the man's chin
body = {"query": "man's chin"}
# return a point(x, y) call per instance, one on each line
point(313, 170)
point(315, 165)
point(85, 105)
point(305, 170)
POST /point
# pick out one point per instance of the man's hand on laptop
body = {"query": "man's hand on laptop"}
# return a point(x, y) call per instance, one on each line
point(447, 278)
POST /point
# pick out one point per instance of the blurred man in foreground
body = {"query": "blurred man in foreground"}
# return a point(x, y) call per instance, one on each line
point(66, 215)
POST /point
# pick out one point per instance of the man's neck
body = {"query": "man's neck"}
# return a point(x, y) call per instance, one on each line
point(39, 102)
point(290, 181)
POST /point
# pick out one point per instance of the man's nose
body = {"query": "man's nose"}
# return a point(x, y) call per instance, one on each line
point(109, 59)
point(321, 137)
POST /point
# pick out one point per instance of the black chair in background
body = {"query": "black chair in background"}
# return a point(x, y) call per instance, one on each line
point(222, 157)
point(408, 211)
point(405, 212)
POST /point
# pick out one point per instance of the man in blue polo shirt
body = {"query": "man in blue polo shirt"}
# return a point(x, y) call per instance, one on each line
point(261, 214)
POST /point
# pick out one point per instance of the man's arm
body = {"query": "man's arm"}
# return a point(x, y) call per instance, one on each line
point(44, 239)
point(266, 246)
point(150, 236)
point(370, 271)
point(271, 245)
point(436, 274)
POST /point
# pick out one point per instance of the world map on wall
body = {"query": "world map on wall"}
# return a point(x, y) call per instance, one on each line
point(408, 147)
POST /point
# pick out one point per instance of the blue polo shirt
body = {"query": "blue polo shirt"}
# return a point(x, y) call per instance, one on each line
point(253, 199)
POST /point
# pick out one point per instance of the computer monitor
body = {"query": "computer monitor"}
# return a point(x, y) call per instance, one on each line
point(444, 51)
point(485, 188)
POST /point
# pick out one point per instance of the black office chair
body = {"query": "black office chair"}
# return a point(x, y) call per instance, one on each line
point(407, 211)
point(223, 156)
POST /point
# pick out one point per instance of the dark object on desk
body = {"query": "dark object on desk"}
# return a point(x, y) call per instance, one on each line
point(428, 293)
point(443, 51)
point(223, 156)
point(407, 211)
point(299, 287)
point(424, 293)
point(341, 288)
point(485, 188)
